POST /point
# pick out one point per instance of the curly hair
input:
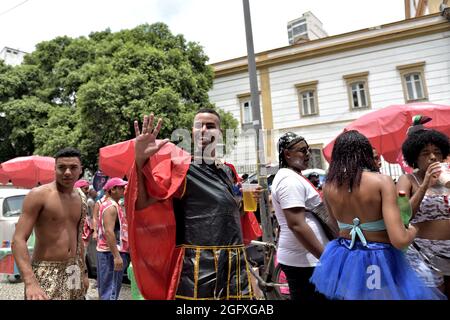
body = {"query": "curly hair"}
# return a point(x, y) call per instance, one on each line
point(352, 153)
point(418, 140)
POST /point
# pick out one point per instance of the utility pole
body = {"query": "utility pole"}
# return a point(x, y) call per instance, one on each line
point(266, 221)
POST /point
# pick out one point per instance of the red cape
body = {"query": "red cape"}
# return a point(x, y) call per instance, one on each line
point(152, 231)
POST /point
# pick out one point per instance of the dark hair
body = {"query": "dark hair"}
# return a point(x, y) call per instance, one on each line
point(352, 153)
point(208, 110)
point(68, 153)
point(418, 140)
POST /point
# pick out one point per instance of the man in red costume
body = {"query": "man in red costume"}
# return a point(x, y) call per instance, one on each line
point(184, 221)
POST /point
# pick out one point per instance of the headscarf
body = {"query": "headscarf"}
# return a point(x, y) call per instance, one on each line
point(417, 123)
point(285, 142)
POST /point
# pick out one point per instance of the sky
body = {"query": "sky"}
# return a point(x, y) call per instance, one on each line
point(217, 25)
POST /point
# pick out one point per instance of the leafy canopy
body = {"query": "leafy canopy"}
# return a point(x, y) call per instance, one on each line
point(86, 92)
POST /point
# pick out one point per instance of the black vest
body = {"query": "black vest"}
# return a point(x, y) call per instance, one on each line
point(208, 213)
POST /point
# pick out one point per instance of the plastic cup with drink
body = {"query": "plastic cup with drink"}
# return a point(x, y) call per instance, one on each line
point(249, 201)
point(444, 177)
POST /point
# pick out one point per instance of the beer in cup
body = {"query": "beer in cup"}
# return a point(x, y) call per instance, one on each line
point(249, 201)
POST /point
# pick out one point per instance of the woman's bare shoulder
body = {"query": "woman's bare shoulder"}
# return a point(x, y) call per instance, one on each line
point(377, 179)
point(376, 175)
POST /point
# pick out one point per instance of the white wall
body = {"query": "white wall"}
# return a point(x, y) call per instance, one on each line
point(385, 86)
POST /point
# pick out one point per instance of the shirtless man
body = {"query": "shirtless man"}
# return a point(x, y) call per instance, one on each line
point(56, 211)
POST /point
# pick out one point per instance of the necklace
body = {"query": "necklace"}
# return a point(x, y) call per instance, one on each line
point(416, 178)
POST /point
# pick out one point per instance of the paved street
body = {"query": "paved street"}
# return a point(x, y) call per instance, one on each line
point(14, 291)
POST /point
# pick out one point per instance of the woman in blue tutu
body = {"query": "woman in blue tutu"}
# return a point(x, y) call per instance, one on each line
point(366, 261)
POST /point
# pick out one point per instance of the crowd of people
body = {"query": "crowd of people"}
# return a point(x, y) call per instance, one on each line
point(64, 215)
point(181, 223)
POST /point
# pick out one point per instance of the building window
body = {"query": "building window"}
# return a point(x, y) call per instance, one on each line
point(300, 29)
point(307, 95)
point(297, 28)
point(315, 159)
point(413, 82)
point(308, 105)
point(414, 86)
point(358, 90)
point(247, 112)
point(245, 106)
point(359, 98)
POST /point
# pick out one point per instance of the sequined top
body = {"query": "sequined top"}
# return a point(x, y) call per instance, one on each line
point(433, 207)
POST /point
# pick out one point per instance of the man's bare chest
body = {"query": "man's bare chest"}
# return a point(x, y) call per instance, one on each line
point(62, 211)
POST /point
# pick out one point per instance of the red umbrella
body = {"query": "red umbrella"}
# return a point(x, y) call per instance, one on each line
point(3, 177)
point(386, 128)
point(116, 160)
point(30, 171)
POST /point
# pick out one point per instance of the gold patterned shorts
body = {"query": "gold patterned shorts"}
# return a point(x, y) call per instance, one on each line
point(60, 280)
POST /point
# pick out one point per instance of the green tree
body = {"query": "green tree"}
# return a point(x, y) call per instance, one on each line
point(21, 117)
point(58, 132)
point(86, 92)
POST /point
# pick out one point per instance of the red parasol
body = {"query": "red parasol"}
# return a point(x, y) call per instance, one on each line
point(30, 171)
point(117, 159)
point(386, 128)
point(3, 176)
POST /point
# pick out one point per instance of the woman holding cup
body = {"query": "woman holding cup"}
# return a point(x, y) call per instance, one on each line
point(427, 188)
point(302, 238)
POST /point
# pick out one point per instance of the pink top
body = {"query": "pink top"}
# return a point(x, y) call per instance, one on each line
point(122, 244)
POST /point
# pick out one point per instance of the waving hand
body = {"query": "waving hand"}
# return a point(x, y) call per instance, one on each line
point(145, 145)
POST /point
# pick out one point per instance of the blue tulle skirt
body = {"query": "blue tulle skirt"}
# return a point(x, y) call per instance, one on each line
point(376, 272)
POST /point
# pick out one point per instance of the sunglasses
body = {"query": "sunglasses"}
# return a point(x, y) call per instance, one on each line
point(303, 150)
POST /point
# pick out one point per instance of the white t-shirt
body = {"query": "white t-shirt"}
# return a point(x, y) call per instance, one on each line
point(290, 190)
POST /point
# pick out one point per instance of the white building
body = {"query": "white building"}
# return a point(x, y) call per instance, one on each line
point(318, 87)
point(307, 27)
point(12, 56)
